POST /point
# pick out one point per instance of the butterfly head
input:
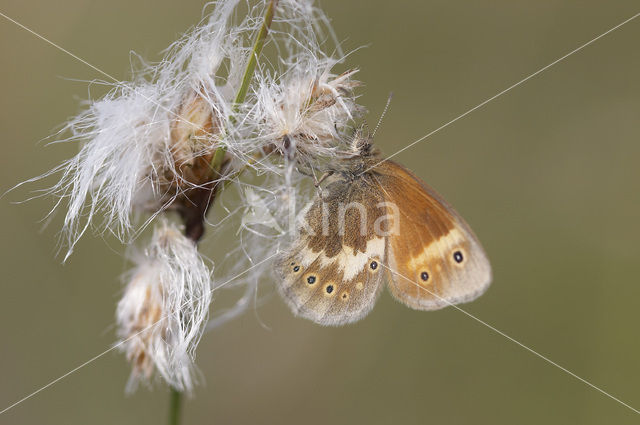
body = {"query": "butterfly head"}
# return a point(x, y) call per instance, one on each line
point(359, 156)
point(362, 143)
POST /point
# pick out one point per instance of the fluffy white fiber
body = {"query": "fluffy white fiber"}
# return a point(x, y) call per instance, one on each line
point(126, 141)
point(126, 136)
point(164, 309)
point(148, 145)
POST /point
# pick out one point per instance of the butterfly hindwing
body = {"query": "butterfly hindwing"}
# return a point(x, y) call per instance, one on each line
point(333, 276)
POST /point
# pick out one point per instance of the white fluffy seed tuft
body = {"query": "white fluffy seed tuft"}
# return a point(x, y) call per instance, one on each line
point(127, 147)
point(148, 146)
point(164, 309)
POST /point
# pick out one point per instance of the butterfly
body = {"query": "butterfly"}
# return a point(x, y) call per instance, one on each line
point(374, 220)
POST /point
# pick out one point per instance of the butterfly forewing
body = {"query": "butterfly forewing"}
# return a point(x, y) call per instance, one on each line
point(435, 260)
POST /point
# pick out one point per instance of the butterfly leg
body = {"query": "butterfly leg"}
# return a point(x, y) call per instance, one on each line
point(322, 178)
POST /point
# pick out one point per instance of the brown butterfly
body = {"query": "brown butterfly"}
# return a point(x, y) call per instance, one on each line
point(374, 220)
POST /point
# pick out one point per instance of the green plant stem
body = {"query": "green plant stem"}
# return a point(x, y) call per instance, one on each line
point(258, 44)
point(255, 52)
point(175, 404)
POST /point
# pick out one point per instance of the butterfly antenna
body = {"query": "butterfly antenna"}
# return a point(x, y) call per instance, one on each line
point(384, 112)
point(364, 128)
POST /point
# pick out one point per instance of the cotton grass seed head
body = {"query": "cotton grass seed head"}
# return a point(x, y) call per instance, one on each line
point(148, 145)
point(186, 128)
point(164, 309)
point(303, 113)
point(141, 142)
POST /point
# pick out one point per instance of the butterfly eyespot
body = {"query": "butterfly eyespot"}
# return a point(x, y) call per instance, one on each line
point(344, 296)
point(329, 289)
point(424, 276)
point(457, 256)
point(293, 264)
point(311, 279)
point(359, 286)
point(373, 265)
point(296, 269)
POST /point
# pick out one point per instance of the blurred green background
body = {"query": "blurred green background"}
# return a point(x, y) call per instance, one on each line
point(547, 175)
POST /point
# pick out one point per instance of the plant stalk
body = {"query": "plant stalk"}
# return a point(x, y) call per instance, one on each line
point(258, 44)
point(175, 405)
point(175, 402)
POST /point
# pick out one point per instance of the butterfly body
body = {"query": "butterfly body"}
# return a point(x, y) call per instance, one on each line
point(375, 221)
